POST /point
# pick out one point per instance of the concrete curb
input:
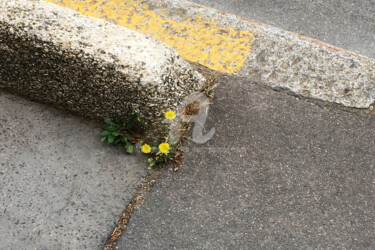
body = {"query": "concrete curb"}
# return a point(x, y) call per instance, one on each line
point(233, 45)
point(92, 67)
point(310, 68)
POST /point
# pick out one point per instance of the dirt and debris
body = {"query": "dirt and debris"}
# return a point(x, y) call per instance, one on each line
point(142, 192)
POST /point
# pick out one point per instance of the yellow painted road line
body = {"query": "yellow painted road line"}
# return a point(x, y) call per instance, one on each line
point(197, 39)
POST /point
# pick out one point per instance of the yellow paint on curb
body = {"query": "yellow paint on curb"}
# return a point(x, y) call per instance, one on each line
point(196, 38)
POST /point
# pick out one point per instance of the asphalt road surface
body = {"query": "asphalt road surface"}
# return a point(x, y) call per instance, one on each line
point(279, 173)
point(346, 24)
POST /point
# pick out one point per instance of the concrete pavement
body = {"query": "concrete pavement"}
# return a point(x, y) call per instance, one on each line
point(61, 188)
point(279, 173)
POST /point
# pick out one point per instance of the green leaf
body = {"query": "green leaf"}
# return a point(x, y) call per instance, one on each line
point(152, 164)
point(129, 147)
point(106, 132)
point(115, 133)
point(109, 128)
point(129, 125)
point(118, 120)
point(118, 139)
point(103, 138)
point(111, 138)
point(132, 119)
point(123, 139)
point(128, 137)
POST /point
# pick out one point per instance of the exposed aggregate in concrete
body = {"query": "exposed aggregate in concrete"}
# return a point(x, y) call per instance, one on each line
point(91, 67)
point(311, 69)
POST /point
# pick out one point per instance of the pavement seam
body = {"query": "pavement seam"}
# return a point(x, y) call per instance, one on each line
point(138, 199)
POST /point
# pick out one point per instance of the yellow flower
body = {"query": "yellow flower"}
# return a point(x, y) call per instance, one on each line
point(170, 115)
point(164, 148)
point(146, 148)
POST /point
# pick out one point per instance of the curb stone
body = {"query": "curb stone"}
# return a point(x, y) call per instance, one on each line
point(241, 47)
point(92, 67)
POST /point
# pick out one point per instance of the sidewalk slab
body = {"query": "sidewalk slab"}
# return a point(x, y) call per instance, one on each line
point(61, 188)
point(279, 173)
